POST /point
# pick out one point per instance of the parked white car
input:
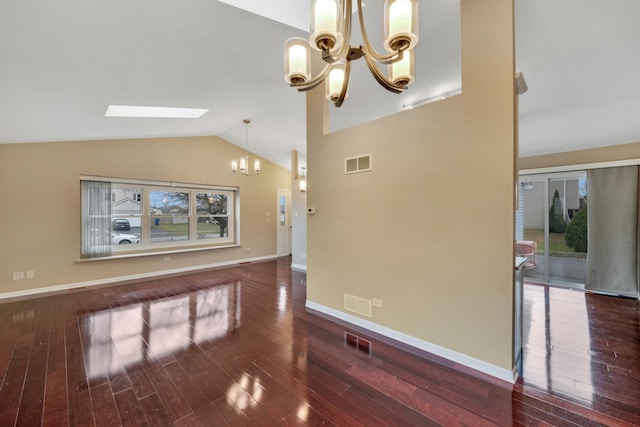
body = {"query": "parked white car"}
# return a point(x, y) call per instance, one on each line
point(122, 239)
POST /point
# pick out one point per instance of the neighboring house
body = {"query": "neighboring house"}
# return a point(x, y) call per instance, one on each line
point(129, 209)
point(534, 211)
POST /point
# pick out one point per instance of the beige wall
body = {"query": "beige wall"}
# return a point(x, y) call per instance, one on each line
point(40, 189)
point(430, 230)
point(594, 155)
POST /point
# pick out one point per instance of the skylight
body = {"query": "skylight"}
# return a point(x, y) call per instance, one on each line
point(157, 112)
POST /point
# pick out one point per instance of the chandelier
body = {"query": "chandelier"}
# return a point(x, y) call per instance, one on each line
point(331, 35)
point(242, 165)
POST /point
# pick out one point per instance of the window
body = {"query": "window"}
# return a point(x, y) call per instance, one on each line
point(145, 217)
point(169, 211)
point(213, 216)
point(126, 214)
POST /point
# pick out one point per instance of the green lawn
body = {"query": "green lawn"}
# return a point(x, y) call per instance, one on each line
point(556, 241)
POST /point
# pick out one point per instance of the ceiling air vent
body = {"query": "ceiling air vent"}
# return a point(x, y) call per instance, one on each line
point(357, 164)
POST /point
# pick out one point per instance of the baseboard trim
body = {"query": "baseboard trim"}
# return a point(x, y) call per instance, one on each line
point(462, 359)
point(299, 267)
point(133, 277)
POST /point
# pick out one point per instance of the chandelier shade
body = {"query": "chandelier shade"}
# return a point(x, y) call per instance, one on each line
point(325, 24)
point(400, 24)
point(297, 61)
point(331, 24)
point(335, 82)
point(402, 72)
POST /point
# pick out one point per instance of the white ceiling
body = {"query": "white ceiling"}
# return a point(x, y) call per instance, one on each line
point(62, 63)
point(581, 61)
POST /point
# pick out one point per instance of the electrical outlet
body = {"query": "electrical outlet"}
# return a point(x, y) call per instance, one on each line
point(19, 275)
point(377, 302)
point(167, 258)
point(31, 274)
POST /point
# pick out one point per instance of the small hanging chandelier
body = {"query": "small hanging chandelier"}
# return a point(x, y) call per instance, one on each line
point(242, 165)
point(331, 35)
point(303, 180)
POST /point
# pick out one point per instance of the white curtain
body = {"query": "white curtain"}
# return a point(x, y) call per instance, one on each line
point(96, 219)
point(612, 256)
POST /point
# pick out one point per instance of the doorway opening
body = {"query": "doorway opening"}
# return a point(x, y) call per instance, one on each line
point(284, 222)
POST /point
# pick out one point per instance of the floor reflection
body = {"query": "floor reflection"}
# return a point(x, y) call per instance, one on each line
point(245, 393)
point(282, 301)
point(557, 342)
point(169, 327)
point(128, 335)
point(303, 412)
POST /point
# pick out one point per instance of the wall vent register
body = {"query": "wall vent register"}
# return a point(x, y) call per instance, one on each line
point(358, 164)
point(357, 305)
point(359, 343)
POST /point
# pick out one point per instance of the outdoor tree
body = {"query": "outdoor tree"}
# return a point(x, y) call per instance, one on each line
point(576, 236)
point(557, 223)
point(212, 204)
point(217, 206)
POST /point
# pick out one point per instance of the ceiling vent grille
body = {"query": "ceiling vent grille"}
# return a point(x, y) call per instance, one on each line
point(357, 305)
point(357, 164)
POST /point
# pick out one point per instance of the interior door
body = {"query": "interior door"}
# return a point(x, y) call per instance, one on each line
point(284, 222)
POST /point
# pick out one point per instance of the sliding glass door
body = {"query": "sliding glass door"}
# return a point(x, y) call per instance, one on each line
point(553, 217)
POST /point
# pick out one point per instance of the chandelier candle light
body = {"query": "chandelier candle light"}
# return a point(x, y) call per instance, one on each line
point(242, 165)
point(331, 35)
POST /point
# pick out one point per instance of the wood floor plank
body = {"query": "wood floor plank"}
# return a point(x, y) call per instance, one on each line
point(55, 406)
point(104, 406)
point(155, 412)
point(11, 392)
point(236, 346)
point(129, 409)
point(193, 420)
point(10, 337)
point(307, 416)
point(33, 390)
point(172, 401)
point(199, 401)
point(55, 411)
point(201, 371)
point(79, 398)
point(232, 415)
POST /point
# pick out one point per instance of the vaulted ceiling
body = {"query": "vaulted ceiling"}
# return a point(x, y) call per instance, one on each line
point(62, 63)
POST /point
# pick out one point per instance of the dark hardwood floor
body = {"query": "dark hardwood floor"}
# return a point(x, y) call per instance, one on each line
point(235, 346)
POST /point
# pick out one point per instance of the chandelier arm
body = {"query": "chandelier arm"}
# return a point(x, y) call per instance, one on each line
point(378, 57)
point(379, 76)
point(345, 84)
point(346, 19)
point(314, 82)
